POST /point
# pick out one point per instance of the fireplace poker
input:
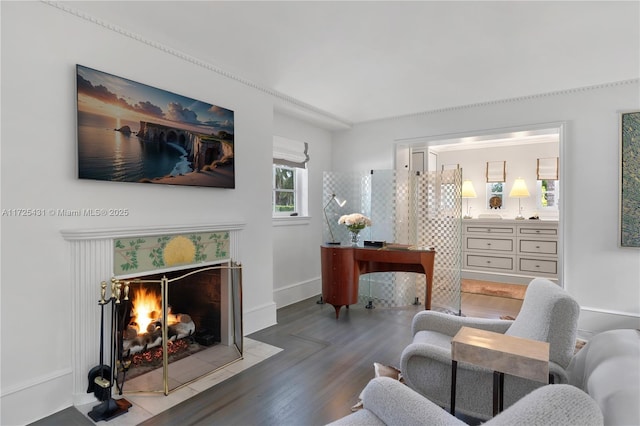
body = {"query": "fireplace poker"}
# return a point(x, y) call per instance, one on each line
point(114, 329)
point(98, 383)
point(121, 365)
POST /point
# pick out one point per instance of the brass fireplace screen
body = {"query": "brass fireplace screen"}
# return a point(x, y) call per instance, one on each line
point(157, 348)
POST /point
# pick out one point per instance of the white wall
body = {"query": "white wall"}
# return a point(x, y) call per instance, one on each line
point(521, 162)
point(604, 278)
point(41, 45)
point(296, 241)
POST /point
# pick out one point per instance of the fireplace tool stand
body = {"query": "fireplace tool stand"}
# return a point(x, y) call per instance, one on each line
point(100, 385)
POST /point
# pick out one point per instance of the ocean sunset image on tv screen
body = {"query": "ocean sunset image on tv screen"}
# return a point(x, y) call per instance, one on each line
point(131, 132)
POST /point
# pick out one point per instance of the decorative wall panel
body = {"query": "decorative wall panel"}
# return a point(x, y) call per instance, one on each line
point(145, 254)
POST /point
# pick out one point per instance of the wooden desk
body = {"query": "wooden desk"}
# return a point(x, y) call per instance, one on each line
point(501, 353)
point(343, 265)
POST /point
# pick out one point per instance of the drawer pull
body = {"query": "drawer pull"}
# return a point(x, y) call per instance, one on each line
point(488, 262)
point(537, 247)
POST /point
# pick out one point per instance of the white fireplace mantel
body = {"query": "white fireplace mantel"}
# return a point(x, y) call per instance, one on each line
point(91, 261)
point(144, 231)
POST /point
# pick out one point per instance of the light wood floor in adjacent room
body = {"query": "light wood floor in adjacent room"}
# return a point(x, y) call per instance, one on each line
point(324, 365)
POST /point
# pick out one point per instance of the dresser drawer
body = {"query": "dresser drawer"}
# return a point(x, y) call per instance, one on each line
point(492, 244)
point(550, 232)
point(538, 265)
point(500, 230)
point(493, 249)
point(538, 247)
point(489, 262)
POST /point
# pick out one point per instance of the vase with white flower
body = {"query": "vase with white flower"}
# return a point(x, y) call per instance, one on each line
point(355, 222)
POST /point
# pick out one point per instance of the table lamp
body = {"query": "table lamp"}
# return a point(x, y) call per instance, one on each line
point(340, 203)
point(519, 190)
point(468, 192)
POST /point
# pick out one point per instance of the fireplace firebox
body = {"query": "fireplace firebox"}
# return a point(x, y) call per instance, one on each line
point(173, 328)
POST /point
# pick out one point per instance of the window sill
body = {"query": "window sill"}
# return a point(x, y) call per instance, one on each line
point(291, 220)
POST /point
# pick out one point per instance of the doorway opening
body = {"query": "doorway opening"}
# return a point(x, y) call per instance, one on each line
point(519, 150)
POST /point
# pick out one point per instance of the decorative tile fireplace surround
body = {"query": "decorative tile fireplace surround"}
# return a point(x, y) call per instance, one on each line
point(92, 255)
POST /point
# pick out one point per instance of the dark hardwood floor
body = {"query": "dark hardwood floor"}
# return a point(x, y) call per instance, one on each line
point(319, 374)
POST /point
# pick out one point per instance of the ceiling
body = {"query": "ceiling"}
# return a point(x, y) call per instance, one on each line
point(357, 61)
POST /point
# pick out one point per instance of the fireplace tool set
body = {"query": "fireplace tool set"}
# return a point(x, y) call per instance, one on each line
point(102, 377)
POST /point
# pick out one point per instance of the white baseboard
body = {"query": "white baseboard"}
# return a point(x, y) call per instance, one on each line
point(260, 317)
point(290, 294)
point(594, 320)
point(39, 397)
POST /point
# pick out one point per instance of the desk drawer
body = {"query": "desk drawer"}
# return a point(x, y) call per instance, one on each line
point(538, 265)
point(489, 244)
point(539, 247)
point(489, 262)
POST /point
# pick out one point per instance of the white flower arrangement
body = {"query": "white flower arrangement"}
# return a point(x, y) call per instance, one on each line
point(355, 222)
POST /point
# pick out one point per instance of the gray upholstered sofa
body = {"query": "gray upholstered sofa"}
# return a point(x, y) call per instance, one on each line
point(608, 369)
point(604, 389)
point(389, 402)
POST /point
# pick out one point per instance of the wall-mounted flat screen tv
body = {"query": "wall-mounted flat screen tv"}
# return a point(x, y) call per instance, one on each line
point(131, 132)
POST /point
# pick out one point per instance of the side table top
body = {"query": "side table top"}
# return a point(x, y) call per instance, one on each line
point(507, 354)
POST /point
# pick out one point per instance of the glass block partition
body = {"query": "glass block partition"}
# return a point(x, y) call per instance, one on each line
point(422, 209)
point(355, 189)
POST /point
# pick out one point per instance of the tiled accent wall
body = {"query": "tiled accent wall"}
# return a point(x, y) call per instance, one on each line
point(146, 254)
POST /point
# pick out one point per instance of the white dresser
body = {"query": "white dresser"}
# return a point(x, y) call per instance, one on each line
point(511, 251)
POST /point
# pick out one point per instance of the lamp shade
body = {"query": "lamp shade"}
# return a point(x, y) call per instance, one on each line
point(468, 191)
point(338, 201)
point(519, 189)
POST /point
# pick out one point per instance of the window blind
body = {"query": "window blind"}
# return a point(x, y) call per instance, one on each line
point(547, 168)
point(289, 152)
point(496, 171)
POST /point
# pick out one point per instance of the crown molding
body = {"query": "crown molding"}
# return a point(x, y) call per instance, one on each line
point(285, 103)
point(510, 100)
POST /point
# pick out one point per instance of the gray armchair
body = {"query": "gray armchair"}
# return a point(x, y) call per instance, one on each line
point(547, 314)
point(389, 402)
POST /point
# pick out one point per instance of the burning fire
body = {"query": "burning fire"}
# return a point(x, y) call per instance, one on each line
point(147, 309)
point(146, 328)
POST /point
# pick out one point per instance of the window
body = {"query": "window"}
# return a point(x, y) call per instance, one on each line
point(289, 183)
point(548, 183)
point(495, 195)
point(284, 190)
point(548, 194)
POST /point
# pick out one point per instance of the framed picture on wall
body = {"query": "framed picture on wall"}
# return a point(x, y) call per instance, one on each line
point(131, 132)
point(630, 179)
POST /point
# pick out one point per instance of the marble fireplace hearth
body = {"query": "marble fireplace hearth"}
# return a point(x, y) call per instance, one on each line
point(145, 406)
